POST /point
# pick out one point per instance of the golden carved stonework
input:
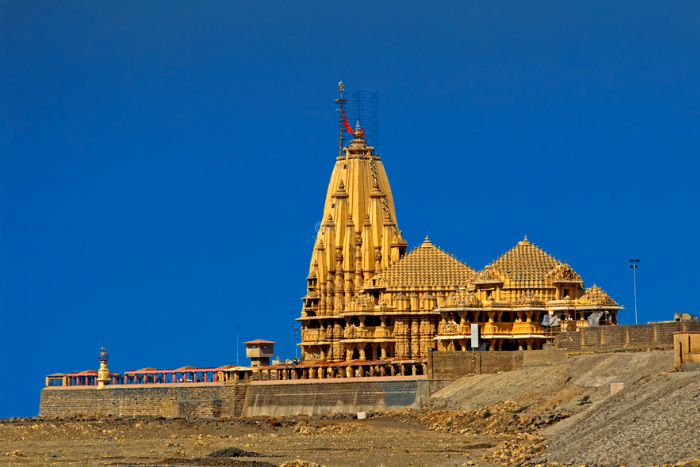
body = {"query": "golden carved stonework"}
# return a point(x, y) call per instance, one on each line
point(515, 299)
point(368, 298)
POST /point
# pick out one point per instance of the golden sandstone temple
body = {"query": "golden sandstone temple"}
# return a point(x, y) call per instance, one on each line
point(369, 298)
point(388, 325)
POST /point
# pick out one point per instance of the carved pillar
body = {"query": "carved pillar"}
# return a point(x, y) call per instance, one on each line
point(415, 337)
point(440, 298)
point(339, 305)
point(322, 298)
point(415, 302)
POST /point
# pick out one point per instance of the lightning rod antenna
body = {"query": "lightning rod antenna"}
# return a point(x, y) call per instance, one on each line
point(341, 110)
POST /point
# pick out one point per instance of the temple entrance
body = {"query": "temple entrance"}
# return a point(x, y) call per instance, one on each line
point(510, 344)
point(355, 353)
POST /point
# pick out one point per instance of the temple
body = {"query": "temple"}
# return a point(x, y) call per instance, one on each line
point(391, 324)
point(367, 299)
point(519, 301)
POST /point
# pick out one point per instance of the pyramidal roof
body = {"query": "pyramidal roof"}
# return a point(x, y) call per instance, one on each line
point(426, 265)
point(526, 261)
point(595, 295)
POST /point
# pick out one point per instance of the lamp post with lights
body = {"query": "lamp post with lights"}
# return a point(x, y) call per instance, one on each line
point(297, 331)
point(634, 264)
point(238, 327)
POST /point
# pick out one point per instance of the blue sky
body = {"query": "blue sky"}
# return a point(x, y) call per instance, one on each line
point(163, 164)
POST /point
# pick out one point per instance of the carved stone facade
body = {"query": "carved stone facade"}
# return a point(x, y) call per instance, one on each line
point(519, 301)
point(367, 299)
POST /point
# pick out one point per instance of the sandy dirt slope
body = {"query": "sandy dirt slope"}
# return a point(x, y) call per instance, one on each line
point(557, 388)
point(652, 422)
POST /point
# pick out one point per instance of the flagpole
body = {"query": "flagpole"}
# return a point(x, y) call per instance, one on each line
point(341, 101)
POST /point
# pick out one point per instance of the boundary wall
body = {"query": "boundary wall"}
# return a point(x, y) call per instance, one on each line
point(334, 396)
point(254, 399)
point(658, 336)
point(216, 400)
point(449, 366)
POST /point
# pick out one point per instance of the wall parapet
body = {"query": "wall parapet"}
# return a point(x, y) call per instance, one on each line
point(624, 337)
point(454, 365)
point(221, 400)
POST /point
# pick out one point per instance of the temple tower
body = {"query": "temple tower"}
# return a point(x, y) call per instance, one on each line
point(358, 238)
point(358, 192)
point(359, 216)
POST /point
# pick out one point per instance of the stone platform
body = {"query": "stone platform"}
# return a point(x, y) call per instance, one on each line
point(216, 400)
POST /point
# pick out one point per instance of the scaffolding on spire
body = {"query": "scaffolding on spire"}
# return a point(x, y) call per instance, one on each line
point(362, 107)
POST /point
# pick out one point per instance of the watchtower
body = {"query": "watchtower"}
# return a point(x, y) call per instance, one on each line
point(259, 351)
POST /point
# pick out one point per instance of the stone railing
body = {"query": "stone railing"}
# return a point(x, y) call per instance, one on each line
point(153, 376)
point(313, 335)
point(368, 332)
point(372, 369)
point(492, 329)
point(497, 329)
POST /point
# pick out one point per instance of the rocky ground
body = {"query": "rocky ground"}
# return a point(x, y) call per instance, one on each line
point(552, 416)
point(398, 439)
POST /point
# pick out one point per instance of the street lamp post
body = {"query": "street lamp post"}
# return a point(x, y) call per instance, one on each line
point(634, 265)
point(296, 347)
point(238, 327)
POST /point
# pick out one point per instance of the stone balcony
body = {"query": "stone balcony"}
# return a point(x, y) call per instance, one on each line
point(368, 332)
point(496, 330)
point(313, 335)
point(352, 332)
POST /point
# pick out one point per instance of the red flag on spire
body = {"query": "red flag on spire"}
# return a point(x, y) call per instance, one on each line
point(347, 125)
point(349, 128)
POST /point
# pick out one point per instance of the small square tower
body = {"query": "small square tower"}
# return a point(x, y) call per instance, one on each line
point(259, 351)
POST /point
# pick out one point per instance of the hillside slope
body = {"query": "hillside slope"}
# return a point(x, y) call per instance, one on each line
point(649, 423)
point(557, 388)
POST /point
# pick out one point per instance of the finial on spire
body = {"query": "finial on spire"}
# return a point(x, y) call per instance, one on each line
point(341, 110)
point(357, 126)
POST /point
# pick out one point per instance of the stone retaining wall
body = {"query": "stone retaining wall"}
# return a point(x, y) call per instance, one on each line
point(454, 365)
point(255, 399)
point(150, 400)
point(629, 337)
point(333, 396)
